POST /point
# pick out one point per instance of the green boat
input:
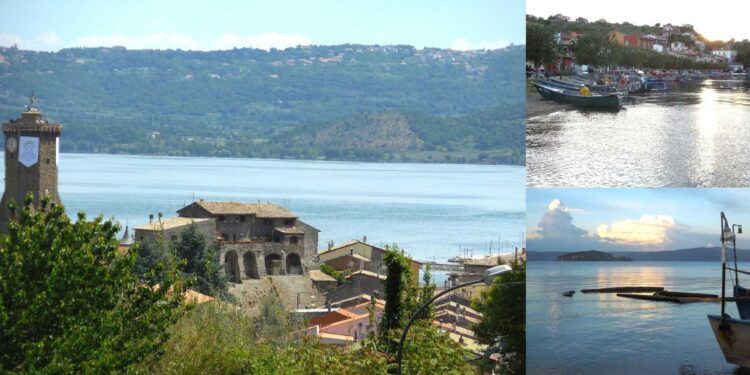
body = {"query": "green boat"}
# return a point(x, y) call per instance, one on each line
point(596, 100)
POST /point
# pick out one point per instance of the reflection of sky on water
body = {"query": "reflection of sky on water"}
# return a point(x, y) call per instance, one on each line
point(693, 136)
point(593, 333)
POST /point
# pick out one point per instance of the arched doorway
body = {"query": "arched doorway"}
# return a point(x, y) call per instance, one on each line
point(232, 267)
point(293, 264)
point(251, 265)
point(273, 264)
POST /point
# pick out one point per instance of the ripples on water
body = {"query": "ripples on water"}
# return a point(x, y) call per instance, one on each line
point(693, 136)
point(597, 333)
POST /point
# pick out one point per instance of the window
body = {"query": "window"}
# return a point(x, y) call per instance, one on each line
point(234, 237)
point(288, 222)
point(293, 240)
point(267, 222)
point(242, 219)
point(222, 218)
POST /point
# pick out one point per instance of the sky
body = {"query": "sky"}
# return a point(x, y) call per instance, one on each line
point(224, 24)
point(720, 20)
point(632, 219)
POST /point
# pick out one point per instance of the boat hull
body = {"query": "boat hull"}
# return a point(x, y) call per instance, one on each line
point(733, 338)
point(568, 96)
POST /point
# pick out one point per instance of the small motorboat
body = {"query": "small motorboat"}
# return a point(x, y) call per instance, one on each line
point(732, 334)
point(595, 100)
point(569, 293)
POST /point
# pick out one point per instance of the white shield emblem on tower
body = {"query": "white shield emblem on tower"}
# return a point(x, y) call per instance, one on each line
point(28, 150)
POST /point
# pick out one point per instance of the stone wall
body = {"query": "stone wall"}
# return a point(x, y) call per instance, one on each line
point(256, 259)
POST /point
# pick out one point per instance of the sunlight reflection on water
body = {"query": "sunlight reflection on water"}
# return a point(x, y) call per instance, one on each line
point(696, 137)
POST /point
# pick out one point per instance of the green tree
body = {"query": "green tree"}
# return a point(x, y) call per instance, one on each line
point(70, 303)
point(425, 293)
point(503, 324)
point(396, 290)
point(201, 261)
point(595, 49)
point(540, 44)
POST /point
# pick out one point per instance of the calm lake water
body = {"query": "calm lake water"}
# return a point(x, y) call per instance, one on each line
point(594, 333)
point(428, 209)
point(696, 135)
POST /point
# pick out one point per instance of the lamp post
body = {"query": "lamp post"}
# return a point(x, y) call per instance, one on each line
point(489, 275)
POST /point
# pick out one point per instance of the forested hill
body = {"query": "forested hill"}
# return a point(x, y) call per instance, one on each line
point(352, 102)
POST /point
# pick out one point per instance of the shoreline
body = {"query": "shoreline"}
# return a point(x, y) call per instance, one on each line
point(536, 106)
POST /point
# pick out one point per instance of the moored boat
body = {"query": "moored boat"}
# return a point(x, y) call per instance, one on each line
point(595, 100)
point(732, 335)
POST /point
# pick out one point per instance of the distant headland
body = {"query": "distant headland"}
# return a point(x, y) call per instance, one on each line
point(592, 256)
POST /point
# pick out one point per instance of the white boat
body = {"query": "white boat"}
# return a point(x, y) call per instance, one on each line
point(732, 334)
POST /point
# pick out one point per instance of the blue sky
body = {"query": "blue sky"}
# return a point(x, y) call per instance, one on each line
point(632, 219)
point(720, 20)
point(208, 25)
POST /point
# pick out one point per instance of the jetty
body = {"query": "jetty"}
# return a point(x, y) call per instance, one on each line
point(625, 289)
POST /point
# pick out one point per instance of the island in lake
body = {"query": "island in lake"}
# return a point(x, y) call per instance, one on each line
point(592, 256)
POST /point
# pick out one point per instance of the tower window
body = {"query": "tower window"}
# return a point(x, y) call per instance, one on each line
point(47, 161)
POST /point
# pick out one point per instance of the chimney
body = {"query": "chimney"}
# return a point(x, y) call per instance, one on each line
point(364, 239)
point(150, 218)
point(160, 215)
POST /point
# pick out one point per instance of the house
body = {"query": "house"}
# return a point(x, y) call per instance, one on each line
point(268, 238)
point(347, 325)
point(171, 228)
point(255, 239)
point(359, 282)
point(725, 53)
point(359, 255)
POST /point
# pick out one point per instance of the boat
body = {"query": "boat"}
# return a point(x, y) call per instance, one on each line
point(569, 293)
point(656, 84)
point(573, 85)
point(732, 334)
point(596, 100)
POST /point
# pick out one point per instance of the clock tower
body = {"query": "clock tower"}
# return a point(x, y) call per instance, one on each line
point(31, 150)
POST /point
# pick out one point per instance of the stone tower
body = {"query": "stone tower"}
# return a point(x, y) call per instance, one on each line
point(31, 148)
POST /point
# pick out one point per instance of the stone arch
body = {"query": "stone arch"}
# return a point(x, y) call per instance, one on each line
point(293, 264)
point(232, 267)
point(251, 265)
point(273, 264)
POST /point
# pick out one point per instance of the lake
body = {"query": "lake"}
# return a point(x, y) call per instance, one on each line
point(593, 333)
point(428, 209)
point(696, 135)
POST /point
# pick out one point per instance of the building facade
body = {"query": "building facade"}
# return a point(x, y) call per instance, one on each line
point(31, 153)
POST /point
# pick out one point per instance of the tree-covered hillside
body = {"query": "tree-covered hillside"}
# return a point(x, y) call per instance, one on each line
point(353, 102)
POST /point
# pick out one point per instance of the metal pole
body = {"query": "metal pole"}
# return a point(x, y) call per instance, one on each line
point(723, 267)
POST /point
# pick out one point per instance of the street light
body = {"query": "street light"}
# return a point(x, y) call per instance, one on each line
point(489, 275)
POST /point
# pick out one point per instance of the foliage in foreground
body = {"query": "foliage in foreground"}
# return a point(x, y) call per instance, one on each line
point(217, 338)
point(70, 303)
point(503, 326)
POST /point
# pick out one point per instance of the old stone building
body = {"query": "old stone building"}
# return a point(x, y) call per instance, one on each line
point(255, 239)
point(31, 149)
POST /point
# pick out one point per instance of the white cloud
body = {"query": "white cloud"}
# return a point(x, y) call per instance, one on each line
point(264, 41)
point(47, 41)
point(463, 44)
point(7, 40)
point(145, 41)
point(649, 230)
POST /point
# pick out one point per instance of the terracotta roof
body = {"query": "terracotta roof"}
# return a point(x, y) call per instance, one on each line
point(318, 275)
point(289, 230)
point(259, 209)
point(170, 223)
point(326, 320)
